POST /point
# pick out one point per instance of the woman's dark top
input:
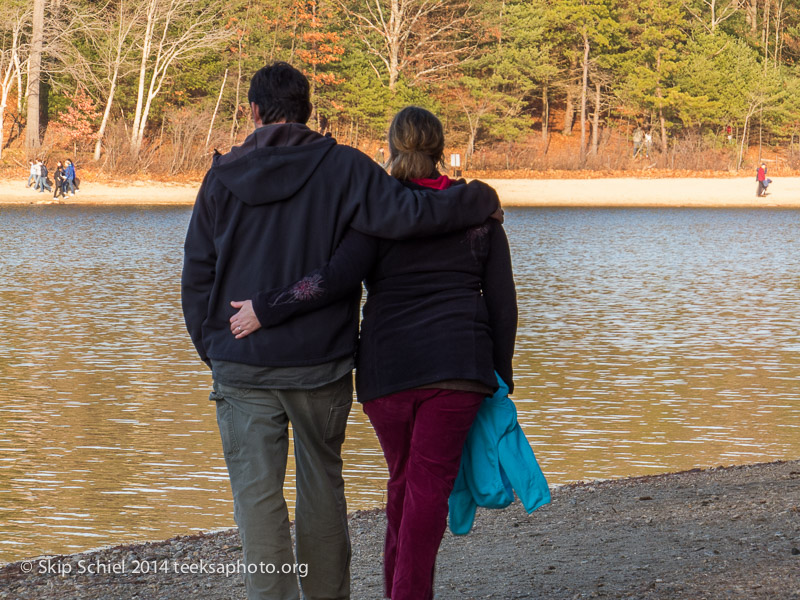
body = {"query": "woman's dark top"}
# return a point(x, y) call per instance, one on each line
point(438, 308)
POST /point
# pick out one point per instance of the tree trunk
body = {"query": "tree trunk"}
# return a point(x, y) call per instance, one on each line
point(778, 36)
point(713, 6)
point(661, 119)
point(235, 122)
point(3, 101)
point(216, 108)
point(545, 117)
point(32, 139)
point(584, 95)
point(569, 112)
point(569, 108)
point(152, 92)
point(98, 146)
point(596, 120)
point(751, 16)
point(9, 79)
point(767, 16)
point(663, 123)
point(744, 137)
point(147, 42)
point(393, 41)
point(20, 94)
point(473, 135)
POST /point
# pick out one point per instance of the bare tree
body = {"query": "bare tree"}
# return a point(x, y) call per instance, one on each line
point(715, 12)
point(216, 108)
point(779, 18)
point(109, 32)
point(174, 30)
point(765, 36)
point(13, 41)
point(114, 48)
point(418, 38)
point(475, 108)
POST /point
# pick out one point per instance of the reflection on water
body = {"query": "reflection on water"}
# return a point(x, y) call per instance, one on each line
point(657, 340)
point(650, 341)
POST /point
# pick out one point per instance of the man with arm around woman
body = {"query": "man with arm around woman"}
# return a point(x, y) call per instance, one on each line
point(268, 212)
point(439, 320)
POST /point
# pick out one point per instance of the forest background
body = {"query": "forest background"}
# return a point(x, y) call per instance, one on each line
point(151, 87)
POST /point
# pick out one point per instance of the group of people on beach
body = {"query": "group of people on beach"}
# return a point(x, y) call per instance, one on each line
point(284, 229)
point(65, 182)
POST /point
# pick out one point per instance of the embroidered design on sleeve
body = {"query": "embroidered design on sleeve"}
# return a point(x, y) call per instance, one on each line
point(308, 288)
point(476, 236)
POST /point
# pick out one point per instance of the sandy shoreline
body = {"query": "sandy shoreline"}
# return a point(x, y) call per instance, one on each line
point(718, 534)
point(738, 192)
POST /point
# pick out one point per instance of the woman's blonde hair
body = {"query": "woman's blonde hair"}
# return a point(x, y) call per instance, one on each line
point(416, 143)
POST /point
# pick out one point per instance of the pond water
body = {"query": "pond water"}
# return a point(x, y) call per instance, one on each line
point(650, 341)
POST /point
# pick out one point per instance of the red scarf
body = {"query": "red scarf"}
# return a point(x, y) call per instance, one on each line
point(439, 183)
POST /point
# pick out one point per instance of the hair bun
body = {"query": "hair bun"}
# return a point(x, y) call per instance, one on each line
point(416, 143)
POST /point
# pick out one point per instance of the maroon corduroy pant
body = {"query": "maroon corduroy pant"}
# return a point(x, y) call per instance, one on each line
point(422, 433)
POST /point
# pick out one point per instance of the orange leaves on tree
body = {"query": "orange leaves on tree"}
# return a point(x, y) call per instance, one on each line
point(78, 121)
point(319, 47)
point(240, 33)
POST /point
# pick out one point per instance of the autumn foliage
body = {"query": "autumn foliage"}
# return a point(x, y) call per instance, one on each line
point(78, 123)
point(520, 85)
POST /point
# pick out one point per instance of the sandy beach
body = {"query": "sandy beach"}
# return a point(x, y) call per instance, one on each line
point(736, 192)
point(739, 192)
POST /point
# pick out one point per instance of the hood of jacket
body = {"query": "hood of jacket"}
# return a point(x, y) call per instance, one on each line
point(273, 163)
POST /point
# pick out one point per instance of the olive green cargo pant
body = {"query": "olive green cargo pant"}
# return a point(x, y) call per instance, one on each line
point(253, 425)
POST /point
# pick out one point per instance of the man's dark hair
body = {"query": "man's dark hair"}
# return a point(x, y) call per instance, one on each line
point(281, 93)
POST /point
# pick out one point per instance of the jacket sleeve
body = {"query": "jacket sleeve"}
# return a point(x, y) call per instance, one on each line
point(199, 268)
point(386, 208)
point(519, 463)
point(500, 295)
point(349, 265)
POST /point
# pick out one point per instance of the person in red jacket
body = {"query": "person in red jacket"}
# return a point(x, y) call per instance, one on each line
point(761, 177)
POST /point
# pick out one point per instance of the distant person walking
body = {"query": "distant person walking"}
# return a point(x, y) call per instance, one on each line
point(43, 184)
point(34, 173)
point(59, 180)
point(69, 179)
point(648, 144)
point(638, 137)
point(763, 182)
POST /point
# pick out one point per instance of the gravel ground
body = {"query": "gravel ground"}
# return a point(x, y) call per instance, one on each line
point(725, 533)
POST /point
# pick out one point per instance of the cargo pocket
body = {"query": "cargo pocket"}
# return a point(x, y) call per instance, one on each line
point(337, 422)
point(230, 443)
point(341, 399)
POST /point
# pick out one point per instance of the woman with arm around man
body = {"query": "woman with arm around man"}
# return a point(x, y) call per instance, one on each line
point(439, 320)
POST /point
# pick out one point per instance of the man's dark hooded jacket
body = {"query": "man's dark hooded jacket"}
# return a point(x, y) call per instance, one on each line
point(276, 208)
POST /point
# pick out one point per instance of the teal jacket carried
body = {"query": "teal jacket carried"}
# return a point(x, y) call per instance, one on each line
point(497, 461)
